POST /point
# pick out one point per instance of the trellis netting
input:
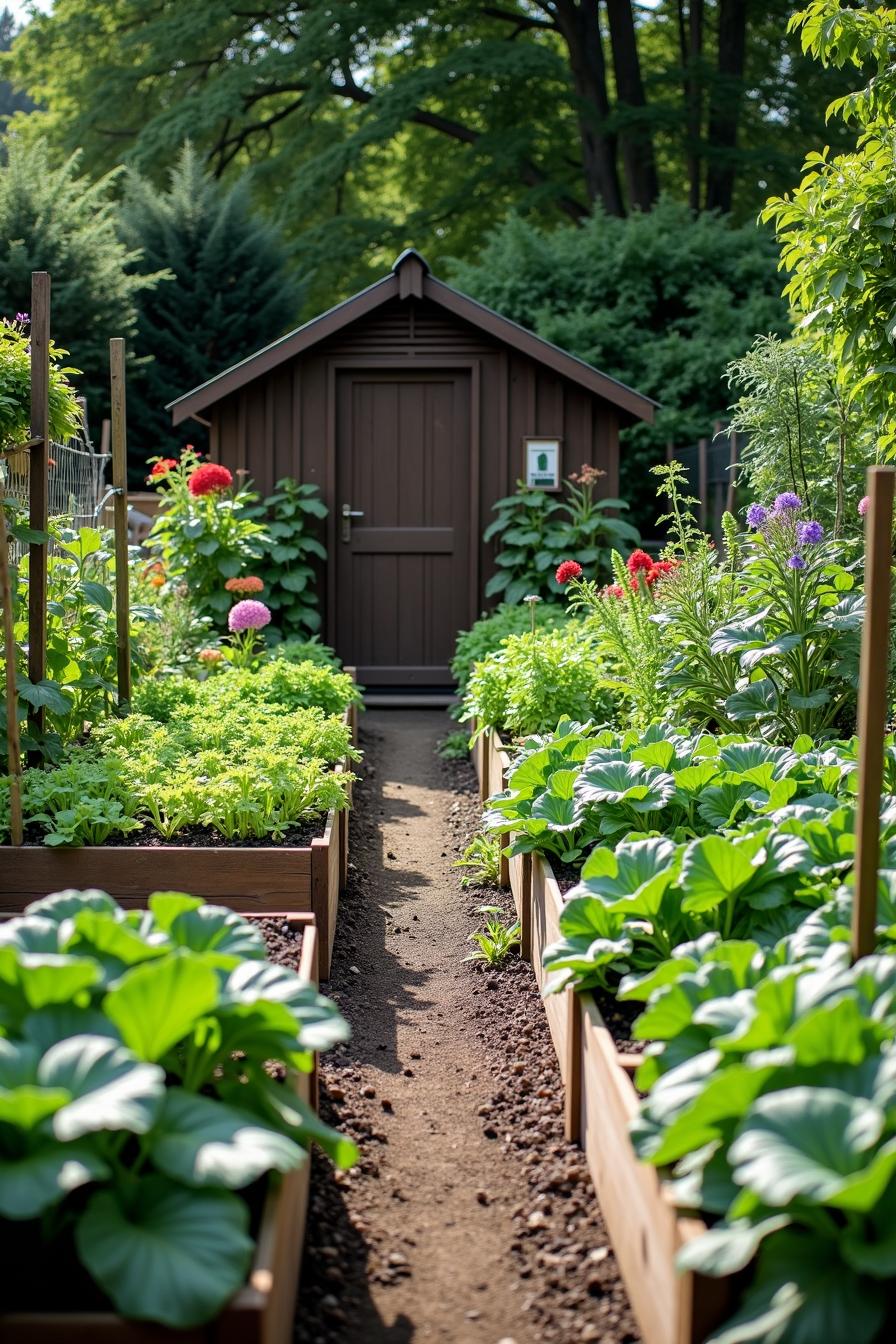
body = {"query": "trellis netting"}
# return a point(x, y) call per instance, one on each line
point(75, 480)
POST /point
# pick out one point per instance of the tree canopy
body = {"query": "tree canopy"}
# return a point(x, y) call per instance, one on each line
point(662, 301)
point(372, 124)
point(53, 218)
point(226, 290)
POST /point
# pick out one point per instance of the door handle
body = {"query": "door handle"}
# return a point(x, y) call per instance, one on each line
point(348, 513)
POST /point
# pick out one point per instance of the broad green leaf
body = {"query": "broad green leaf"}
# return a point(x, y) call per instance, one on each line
point(756, 701)
point(320, 1025)
point(33, 979)
point(173, 1255)
point(155, 1005)
point(728, 1247)
point(814, 1144)
point(714, 868)
point(93, 933)
point(212, 928)
point(35, 1182)
point(108, 1087)
point(66, 904)
point(203, 1141)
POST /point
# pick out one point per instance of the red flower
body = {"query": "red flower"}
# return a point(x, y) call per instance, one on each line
point(658, 570)
point(613, 590)
point(569, 569)
point(209, 477)
point(161, 468)
point(638, 560)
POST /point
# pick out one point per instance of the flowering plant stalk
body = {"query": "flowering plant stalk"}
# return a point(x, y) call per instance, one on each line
point(245, 620)
point(202, 533)
point(796, 631)
point(627, 638)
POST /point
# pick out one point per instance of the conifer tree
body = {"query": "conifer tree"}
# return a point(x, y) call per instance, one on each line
point(54, 219)
point(228, 292)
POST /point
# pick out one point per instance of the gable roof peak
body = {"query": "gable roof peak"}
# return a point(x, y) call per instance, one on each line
point(410, 253)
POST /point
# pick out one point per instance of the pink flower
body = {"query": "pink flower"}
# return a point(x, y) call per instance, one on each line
point(248, 615)
point(211, 476)
point(569, 569)
point(209, 655)
point(863, 505)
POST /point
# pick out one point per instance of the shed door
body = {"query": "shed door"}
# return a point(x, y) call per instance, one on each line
point(403, 567)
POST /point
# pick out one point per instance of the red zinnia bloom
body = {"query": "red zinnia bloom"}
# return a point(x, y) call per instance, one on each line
point(248, 584)
point(161, 468)
point(569, 569)
point(638, 560)
point(209, 477)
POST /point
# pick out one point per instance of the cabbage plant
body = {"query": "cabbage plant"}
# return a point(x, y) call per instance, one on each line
point(137, 1100)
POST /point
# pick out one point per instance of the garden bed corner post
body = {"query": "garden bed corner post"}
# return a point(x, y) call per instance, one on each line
point(872, 711)
point(38, 465)
point(120, 516)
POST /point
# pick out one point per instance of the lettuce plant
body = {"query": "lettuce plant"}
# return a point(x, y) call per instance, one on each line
point(137, 1099)
point(533, 680)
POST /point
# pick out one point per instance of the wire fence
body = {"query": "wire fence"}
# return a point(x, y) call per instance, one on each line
point(75, 481)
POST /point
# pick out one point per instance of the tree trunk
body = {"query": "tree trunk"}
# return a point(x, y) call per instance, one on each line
point(635, 138)
point(725, 102)
point(578, 22)
point(690, 39)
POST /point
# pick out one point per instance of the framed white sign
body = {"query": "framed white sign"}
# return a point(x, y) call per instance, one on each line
point(542, 463)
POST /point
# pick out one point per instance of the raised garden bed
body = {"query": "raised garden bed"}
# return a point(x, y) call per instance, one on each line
point(263, 1311)
point(252, 880)
point(601, 1101)
point(644, 1227)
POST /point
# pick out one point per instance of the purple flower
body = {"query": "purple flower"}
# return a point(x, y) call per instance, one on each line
point(756, 515)
point(787, 501)
point(863, 505)
point(808, 534)
point(22, 317)
point(796, 562)
point(248, 615)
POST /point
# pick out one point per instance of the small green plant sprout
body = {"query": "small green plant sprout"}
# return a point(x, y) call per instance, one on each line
point(482, 857)
point(454, 746)
point(496, 941)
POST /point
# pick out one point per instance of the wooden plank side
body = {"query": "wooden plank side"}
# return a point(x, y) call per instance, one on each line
point(547, 903)
point(243, 879)
point(644, 1227)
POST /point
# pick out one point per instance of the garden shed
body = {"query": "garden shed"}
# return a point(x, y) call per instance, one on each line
point(413, 408)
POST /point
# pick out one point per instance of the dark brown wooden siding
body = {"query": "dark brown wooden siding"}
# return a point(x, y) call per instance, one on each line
point(282, 423)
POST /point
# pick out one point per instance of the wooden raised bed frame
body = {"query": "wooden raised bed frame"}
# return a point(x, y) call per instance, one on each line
point(263, 1310)
point(263, 880)
point(600, 1103)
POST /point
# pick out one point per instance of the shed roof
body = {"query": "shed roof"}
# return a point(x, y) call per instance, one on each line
point(410, 277)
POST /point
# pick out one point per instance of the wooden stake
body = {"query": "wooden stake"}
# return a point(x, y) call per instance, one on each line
point(37, 484)
point(872, 717)
point(12, 700)
point(119, 440)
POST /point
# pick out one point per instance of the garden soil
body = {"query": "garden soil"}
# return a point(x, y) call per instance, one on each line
point(468, 1220)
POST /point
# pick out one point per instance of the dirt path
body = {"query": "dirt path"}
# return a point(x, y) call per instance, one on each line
point(422, 1242)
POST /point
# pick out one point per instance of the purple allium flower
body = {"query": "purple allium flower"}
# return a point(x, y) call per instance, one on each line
point(22, 317)
point(796, 562)
point(756, 515)
point(863, 505)
point(787, 501)
point(248, 615)
point(809, 534)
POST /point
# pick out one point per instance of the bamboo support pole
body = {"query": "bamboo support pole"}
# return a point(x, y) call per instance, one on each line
point(37, 483)
point(13, 749)
point(120, 517)
point(873, 707)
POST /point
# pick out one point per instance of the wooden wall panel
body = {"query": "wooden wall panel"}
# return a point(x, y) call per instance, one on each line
point(281, 424)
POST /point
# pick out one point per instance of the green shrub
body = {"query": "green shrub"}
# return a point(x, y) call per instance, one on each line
point(131, 1123)
point(286, 562)
point(533, 681)
point(486, 635)
point(537, 531)
point(289, 685)
point(306, 651)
